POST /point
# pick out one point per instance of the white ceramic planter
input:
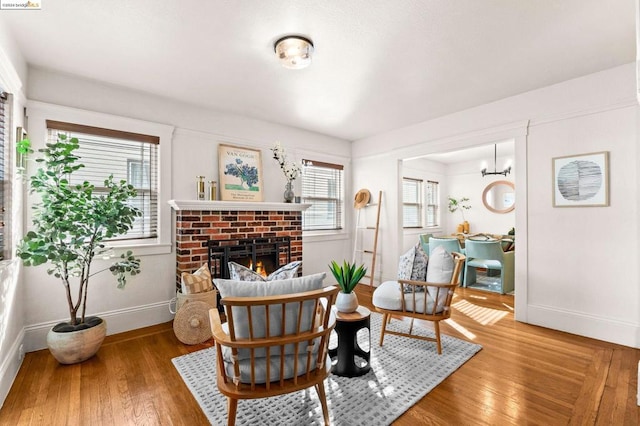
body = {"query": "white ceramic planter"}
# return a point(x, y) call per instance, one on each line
point(347, 302)
point(73, 347)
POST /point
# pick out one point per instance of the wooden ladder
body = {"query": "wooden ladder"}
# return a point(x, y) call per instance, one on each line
point(373, 251)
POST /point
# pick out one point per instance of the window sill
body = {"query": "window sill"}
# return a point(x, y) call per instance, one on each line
point(319, 236)
point(140, 248)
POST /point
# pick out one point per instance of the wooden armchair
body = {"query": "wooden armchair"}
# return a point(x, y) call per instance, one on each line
point(273, 345)
point(418, 299)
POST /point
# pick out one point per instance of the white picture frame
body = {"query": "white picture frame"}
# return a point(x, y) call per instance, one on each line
point(581, 180)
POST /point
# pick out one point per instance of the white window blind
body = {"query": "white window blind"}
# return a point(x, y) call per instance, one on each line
point(433, 204)
point(322, 187)
point(5, 181)
point(411, 203)
point(127, 156)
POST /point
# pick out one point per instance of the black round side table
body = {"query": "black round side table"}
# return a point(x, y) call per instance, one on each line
point(343, 356)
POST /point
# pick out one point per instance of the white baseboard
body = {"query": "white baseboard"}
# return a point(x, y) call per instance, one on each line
point(600, 328)
point(118, 321)
point(10, 366)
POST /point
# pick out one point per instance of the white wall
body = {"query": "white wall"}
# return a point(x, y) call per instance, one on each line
point(13, 74)
point(576, 269)
point(194, 152)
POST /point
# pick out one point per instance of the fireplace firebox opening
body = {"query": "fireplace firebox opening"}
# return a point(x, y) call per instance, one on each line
point(261, 255)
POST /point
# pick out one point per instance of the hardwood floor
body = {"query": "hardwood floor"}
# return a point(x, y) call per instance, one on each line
point(523, 375)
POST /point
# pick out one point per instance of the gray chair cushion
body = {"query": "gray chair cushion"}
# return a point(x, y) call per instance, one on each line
point(229, 288)
point(260, 366)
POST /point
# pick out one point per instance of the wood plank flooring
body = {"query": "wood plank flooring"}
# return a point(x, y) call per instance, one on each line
point(523, 375)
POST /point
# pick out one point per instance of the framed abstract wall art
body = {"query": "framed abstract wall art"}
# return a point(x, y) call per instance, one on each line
point(240, 171)
point(581, 180)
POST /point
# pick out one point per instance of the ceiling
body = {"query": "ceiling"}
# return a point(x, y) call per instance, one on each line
point(378, 64)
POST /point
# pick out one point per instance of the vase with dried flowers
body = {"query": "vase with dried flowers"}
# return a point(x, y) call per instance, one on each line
point(291, 170)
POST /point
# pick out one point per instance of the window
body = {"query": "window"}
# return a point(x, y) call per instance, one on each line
point(411, 203)
point(322, 187)
point(433, 205)
point(5, 181)
point(129, 156)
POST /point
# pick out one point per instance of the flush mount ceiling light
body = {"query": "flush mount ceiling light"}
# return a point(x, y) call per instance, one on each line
point(294, 52)
point(505, 172)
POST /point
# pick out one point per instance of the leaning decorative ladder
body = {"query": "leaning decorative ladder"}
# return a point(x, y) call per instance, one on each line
point(359, 243)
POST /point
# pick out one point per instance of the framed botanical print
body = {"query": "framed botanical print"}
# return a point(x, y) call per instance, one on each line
point(581, 180)
point(240, 171)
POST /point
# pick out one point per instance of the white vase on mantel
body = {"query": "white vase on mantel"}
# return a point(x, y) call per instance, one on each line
point(347, 302)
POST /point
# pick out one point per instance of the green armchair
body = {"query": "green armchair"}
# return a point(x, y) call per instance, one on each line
point(489, 255)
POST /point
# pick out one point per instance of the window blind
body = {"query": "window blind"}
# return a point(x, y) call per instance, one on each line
point(322, 187)
point(411, 203)
point(127, 156)
point(433, 204)
point(5, 183)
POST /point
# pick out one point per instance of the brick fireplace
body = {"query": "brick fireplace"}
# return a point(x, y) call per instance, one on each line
point(197, 222)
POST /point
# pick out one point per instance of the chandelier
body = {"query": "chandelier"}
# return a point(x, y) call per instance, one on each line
point(505, 172)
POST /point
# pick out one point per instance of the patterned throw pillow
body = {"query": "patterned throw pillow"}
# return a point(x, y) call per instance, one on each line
point(420, 261)
point(198, 282)
point(242, 273)
point(405, 267)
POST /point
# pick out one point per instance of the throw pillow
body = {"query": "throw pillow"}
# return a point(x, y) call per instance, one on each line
point(440, 270)
point(420, 261)
point(405, 267)
point(242, 273)
point(198, 282)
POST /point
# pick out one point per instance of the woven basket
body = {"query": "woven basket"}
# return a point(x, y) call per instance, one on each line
point(208, 297)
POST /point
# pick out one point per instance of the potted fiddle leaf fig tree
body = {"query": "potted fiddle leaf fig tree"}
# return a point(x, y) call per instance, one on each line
point(348, 277)
point(70, 225)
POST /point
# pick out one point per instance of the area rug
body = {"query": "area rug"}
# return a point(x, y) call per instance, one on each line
point(403, 371)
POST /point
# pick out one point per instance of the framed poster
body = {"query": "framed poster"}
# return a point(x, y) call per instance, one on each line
point(581, 180)
point(240, 172)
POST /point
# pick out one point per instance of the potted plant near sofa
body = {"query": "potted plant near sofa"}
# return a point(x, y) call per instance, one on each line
point(348, 277)
point(70, 224)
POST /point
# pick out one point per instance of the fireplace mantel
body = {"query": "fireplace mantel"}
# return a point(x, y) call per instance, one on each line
point(240, 206)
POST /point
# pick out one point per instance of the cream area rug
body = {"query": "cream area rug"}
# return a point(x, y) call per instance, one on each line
point(402, 372)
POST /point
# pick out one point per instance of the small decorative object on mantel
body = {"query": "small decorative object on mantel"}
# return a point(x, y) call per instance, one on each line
point(461, 204)
point(213, 190)
point(200, 187)
point(290, 169)
point(348, 277)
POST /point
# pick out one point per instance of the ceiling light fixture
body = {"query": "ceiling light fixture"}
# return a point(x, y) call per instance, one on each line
point(505, 172)
point(294, 52)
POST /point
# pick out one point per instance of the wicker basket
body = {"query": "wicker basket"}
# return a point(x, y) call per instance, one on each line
point(208, 297)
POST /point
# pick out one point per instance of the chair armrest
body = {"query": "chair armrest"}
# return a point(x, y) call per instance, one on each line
point(216, 328)
point(509, 257)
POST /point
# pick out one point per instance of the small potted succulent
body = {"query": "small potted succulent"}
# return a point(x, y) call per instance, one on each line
point(348, 277)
